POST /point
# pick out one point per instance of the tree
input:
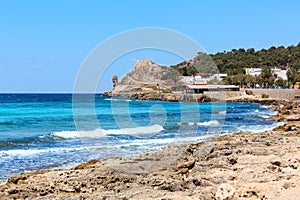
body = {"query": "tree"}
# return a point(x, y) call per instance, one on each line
point(293, 74)
point(234, 61)
point(280, 82)
point(227, 80)
point(172, 75)
point(250, 51)
point(240, 80)
point(266, 72)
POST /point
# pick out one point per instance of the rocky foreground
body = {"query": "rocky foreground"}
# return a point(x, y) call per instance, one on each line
point(240, 166)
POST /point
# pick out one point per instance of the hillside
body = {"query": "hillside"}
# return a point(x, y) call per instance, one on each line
point(279, 57)
point(233, 62)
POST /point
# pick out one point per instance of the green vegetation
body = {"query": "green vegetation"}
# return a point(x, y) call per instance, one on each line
point(264, 96)
point(293, 74)
point(234, 62)
point(172, 76)
point(202, 64)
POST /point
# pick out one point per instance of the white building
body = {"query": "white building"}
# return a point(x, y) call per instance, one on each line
point(253, 71)
point(280, 73)
point(200, 80)
point(187, 79)
point(257, 71)
point(218, 77)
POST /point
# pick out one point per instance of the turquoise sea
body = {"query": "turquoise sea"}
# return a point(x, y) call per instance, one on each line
point(37, 131)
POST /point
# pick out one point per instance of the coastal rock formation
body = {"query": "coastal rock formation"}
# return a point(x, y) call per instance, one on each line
point(240, 166)
point(145, 72)
point(147, 81)
point(115, 81)
point(150, 81)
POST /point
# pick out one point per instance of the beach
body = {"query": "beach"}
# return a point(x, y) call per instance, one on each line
point(149, 100)
point(262, 165)
point(43, 131)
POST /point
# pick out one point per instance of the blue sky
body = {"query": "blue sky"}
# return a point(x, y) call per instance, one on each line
point(43, 43)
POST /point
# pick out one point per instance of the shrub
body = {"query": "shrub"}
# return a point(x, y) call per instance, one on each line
point(264, 96)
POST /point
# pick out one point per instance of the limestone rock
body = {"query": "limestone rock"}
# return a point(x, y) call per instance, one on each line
point(115, 81)
point(189, 164)
point(145, 72)
point(225, 192)
point(293, 118)
point(147, 81)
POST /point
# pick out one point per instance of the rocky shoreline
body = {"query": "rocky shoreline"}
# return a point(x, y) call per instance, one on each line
point(238, 166)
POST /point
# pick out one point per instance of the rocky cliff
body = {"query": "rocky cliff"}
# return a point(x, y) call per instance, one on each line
point(147, 81)
point(145, 72)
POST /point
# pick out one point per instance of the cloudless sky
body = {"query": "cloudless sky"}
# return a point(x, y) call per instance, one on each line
point(43, 43)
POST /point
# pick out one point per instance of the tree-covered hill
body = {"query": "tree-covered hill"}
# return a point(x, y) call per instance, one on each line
point(279, 57)
point(233, 62)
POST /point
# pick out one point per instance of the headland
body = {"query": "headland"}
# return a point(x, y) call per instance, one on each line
point(150, 81)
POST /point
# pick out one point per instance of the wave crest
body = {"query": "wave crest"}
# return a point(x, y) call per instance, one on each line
point(209, 123)
point(98, 133)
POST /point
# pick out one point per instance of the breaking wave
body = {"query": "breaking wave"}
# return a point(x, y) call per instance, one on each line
point(207, 123)
point(259, 128)
point(98, 133)
point(265, 116)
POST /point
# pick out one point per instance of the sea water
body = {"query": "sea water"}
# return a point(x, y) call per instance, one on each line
point(41, 131)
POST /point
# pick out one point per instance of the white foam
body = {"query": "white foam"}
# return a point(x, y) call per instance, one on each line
point(256, 111)
point(80, 134)
point(146, 143)
point(259, 128)
point(166, 141)
point(113, 99)
point(110, 99)
point(265, 116)
point(209, 123)
point(98, 133)
point(136, 130)
point(3, 182)
point(187, 123)
point(223, 112)
point(30, 152)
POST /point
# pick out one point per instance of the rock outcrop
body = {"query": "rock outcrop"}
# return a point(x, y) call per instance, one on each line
point(115, 81)
point(147, 81)
point(145, 72)
point(150, 81)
